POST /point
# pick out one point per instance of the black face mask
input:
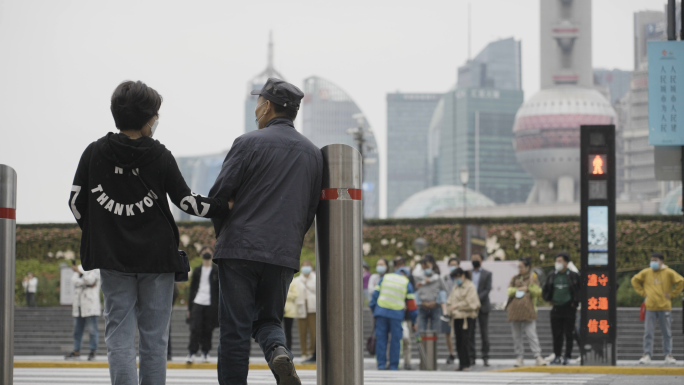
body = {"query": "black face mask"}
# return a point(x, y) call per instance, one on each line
point(206, 256)
point(476, 264)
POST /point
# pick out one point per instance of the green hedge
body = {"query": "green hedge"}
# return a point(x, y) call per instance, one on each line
point(40, 247)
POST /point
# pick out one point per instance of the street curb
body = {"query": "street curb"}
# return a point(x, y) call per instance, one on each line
point(625, 370)
point(105, 365)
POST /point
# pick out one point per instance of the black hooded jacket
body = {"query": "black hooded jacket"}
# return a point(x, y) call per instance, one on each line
point(123, 227)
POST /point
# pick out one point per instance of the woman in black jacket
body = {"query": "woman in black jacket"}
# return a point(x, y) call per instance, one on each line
point(119, 199)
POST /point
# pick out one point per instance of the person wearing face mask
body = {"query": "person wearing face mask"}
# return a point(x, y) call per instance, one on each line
point(658, 284)
point(275, 176)
point(306, 299)
point(119, 198)
point(203, 306)
point(380, 270)
point(449, 284)
point(482, 279)
point(521, 310)
point(431, 297)
point(463, 305)
point(562, 290)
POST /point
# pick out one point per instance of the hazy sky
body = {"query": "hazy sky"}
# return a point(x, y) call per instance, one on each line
point(61, 60)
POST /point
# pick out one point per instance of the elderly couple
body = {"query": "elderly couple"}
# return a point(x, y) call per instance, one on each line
point(262, 203)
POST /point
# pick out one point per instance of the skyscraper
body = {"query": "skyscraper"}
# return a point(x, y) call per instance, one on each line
point(547, 126)
point(471, 126)
point(327, 115)
point(256, 84)
point(408, 121)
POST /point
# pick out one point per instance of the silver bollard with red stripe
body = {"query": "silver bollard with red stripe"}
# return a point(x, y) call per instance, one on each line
point(339, 268)
point(8, 237)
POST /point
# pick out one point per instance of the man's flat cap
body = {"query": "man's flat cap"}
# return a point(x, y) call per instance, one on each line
point(281, 92)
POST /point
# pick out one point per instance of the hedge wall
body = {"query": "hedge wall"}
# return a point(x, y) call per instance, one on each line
point(40, 247)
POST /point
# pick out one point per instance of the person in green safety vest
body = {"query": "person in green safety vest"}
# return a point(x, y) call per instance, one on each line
point(392, 298)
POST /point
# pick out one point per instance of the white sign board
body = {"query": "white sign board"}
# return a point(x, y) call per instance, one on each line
point(66, 289)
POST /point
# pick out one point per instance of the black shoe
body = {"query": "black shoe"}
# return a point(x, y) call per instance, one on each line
point(283, 368)
point(486, 361)
point(556, 361)
point(450, 360)
point(73, 356)
point(91, 356)
point(566, 360)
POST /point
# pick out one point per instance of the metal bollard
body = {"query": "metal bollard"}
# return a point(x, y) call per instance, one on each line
point(8, 243)
point(428, 341)
point(339, 239)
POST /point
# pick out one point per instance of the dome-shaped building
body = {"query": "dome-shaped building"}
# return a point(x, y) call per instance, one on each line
point(429, 201)
point(547, 138)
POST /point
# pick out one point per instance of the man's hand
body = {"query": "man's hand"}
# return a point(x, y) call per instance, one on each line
point(415, 328)
point(230, 204)
point(187, 315)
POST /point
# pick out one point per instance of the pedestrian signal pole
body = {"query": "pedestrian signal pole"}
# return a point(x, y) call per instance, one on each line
point(598, 324)
point(8, 227)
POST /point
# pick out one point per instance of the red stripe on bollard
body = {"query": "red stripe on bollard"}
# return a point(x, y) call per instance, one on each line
point(331, 194)
point(6, 213)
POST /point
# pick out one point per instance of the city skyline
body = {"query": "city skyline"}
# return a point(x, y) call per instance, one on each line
point(66, 58)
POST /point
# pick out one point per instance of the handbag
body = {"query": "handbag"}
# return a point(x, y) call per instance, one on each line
point(180, 276)
point(370, 343)
point(642, 312)
point(521, 309)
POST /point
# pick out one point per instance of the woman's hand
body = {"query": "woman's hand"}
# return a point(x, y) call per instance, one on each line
point(523, 288)
point(230, 204)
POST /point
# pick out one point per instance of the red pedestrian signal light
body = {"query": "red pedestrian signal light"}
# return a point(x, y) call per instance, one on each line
point(597, 163)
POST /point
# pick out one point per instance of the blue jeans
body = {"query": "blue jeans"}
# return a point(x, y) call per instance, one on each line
point(251, 303)
point(665, 320)
point(79, 327)
point(383, 328)
point(143, 302)
point(431, 317)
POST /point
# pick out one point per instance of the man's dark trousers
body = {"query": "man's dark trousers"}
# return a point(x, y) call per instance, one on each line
point(201, 328)
point(252, 299)
point(483, 321)
point(563, 325)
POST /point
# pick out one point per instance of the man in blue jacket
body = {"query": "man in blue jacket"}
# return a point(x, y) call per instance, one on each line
point(273, 175)
point(393, 296)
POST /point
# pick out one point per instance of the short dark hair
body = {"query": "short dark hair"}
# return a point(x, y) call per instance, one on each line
point(527, 261)
point(430, 258)
point(565, 255)
point(460, 272)
point(454, 259)
point(658, 255)
point(286, 112)
point(207, 247)
point(399, 260)
point(134, 104)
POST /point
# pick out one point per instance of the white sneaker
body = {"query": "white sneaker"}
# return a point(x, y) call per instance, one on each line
point(189, 359)
point(550, 357)
point(669, 360)
point(518, 362)
point(540, 361)
point(205, 358)
point(646, 359)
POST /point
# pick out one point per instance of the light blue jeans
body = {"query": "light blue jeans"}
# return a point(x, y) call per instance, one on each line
point(664, 317)
point(143, 302)
point(79, 328)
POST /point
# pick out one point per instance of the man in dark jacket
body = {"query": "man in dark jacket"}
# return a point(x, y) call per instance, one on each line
point(203, 306)
point(562, 289)
point(273, 175)
point(482, 279)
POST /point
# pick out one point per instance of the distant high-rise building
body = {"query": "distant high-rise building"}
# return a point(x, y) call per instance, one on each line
point(474, 132)
point(256, 84)
point(408, 121)
point(547, 126)
point(639, 159)
point(498, 66)
point(327, 115)
point(615, 81)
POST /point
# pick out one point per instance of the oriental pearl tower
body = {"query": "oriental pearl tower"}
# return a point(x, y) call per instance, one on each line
point(547, 126)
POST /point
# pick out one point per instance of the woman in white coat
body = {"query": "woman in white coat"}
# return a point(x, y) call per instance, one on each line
point(86, 309)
